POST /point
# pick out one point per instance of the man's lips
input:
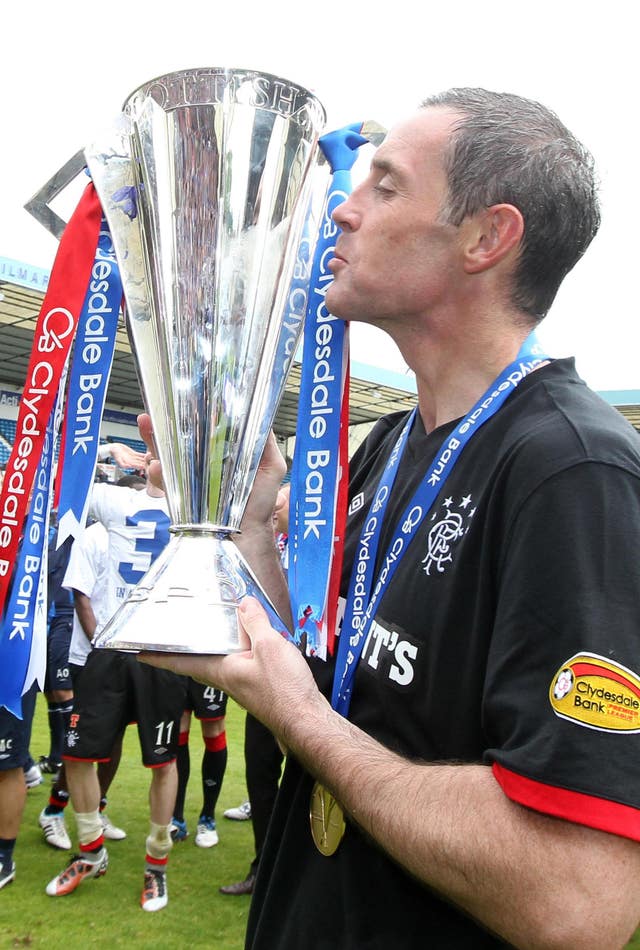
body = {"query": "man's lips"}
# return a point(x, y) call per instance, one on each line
point(336, 261)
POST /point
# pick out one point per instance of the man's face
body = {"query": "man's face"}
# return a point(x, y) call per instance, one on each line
point(395, 257)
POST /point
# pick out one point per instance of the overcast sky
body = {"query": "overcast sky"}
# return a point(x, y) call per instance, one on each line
point(65, 70)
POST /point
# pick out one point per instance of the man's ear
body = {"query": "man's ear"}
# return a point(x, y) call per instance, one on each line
point(493, 235)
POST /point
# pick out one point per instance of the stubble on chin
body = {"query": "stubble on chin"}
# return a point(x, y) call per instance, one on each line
point(336, 302)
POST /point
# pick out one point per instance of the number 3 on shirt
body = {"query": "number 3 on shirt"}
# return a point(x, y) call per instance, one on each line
point(146, 548)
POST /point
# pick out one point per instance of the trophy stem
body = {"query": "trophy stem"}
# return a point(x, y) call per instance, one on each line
point(188, 600)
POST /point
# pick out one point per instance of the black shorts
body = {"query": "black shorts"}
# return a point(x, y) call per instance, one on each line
point(205, 702)
point(58, 675)
point(114, 690)
point(15, 733)
point(76, 670)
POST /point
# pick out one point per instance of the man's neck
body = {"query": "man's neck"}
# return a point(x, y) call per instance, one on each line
point(452, 374)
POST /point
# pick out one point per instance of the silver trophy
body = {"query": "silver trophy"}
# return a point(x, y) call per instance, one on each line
point(208, 184)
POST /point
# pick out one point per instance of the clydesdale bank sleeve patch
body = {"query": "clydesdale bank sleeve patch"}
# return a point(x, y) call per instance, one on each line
point(597, 693)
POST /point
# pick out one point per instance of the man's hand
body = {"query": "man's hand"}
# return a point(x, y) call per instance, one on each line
point(125, 456)
point(271, 679)
point(263, 498)
point(281, 510)
point(150, 460)
point(84, 610)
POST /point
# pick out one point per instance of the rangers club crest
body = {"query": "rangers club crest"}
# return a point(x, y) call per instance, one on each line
point(448, 525)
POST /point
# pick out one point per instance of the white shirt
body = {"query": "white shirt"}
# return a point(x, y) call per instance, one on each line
point(87, 573)
point(138, 530)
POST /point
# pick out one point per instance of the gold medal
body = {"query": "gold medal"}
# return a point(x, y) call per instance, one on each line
point(327, 820)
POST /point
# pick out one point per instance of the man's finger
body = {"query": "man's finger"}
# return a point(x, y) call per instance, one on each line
point(252, 616)
point(145, 429)
point(167, 661)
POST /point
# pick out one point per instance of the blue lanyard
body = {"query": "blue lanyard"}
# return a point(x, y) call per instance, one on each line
point(364, 596)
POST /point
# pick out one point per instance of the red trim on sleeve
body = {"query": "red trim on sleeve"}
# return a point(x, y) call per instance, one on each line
point(617, 819)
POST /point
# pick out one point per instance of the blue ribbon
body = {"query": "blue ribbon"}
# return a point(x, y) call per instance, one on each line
point(363, 596)
point(92, 359)
point(22, 638)
point(314, 480)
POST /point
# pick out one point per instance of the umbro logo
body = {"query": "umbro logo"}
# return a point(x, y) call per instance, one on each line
point(356, 503)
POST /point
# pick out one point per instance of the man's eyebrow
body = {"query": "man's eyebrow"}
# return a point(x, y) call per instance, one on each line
point(387, 166)
point(382, 164)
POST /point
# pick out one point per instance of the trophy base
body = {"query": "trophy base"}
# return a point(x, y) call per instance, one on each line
point(187, 602)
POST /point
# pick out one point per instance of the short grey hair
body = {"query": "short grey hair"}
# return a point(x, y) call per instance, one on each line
point(507, 149)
